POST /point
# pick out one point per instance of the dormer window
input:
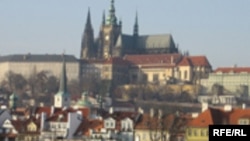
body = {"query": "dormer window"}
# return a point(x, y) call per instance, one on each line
point(243, 121)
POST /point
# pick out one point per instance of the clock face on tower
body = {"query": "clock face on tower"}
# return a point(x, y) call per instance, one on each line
point(107, 37)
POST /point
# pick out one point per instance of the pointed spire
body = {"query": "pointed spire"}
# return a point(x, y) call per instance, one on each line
point(63, 80)
point(136, 26)
point(111, 20)
point(88, 22)
point(103, 18)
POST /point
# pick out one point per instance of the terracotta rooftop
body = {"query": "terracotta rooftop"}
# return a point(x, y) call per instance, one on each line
point(167, 59)
point(148, 122)
point(238, 113)
point(87, 124)
point(209, 117)
point(232, 70)
point(194, 61)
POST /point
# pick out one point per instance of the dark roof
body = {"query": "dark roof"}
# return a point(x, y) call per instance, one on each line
point(126, 41)
point(37, 58)
point(155, 41)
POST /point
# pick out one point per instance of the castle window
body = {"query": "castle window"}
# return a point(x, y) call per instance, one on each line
point(185, 74)
point(155, 77)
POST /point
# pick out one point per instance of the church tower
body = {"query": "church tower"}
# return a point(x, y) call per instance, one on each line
point(136, 26)
point(62, 98)
point(87, 47)
point(110, 30)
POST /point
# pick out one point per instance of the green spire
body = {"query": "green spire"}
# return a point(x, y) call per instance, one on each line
point(63, 80)
point(136, 26)
point(111, 20)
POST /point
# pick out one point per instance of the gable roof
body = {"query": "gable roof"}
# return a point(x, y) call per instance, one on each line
point(238, 113)
point(208, 117)
point(194, 61)
point(126, 41)
point(232, 69)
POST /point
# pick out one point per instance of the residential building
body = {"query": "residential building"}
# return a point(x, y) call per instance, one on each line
point(233, 80)
point(162, 68)
point(153, 126)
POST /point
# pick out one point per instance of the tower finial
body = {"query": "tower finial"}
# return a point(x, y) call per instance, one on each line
point(88, 21)
point(136, 26)
point(111, 20)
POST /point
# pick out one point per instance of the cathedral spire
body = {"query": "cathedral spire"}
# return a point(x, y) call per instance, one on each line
point(111, 20)
point(88, 21)
point(63, 80)
point(136, 26)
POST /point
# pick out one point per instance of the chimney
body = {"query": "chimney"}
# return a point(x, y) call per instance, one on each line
point(111, 110)
point(43, 118)
point(243, 106)
point(140, 110)
point(204, 106)
point(227, 107)
point(52, 109)
point(159, 113)
point(151, 112)
point(172, 60)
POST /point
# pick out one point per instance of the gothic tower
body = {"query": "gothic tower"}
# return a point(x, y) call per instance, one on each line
point(87, 47)
point(62, 98)
point(110, 30)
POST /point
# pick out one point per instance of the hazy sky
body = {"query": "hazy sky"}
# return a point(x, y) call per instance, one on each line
point(219, 29)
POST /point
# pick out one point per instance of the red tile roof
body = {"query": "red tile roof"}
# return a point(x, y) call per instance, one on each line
point(146, 122)
point(155, 59)
point(209, 117)
point(237, 114)
point(232, 69)
point(194, 61)
point(62, 114)
point(87, 124)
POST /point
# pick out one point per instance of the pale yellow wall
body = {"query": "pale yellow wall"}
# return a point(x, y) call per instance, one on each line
point(106, 71)
point(4, 67)
point(163, 73)
point(32, 127)
point(196, 134)
point(145, 135)
point(182, 70)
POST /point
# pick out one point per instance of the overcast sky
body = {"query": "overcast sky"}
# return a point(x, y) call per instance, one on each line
point(218, 29)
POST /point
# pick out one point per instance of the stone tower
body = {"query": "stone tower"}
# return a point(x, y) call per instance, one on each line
point(110, 30)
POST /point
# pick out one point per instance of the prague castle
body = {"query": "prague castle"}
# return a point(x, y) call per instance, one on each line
point(111, 42)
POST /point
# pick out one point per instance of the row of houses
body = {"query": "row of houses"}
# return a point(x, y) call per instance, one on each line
point(75, 124)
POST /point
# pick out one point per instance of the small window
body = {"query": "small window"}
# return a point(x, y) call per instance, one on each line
point(189, 132)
